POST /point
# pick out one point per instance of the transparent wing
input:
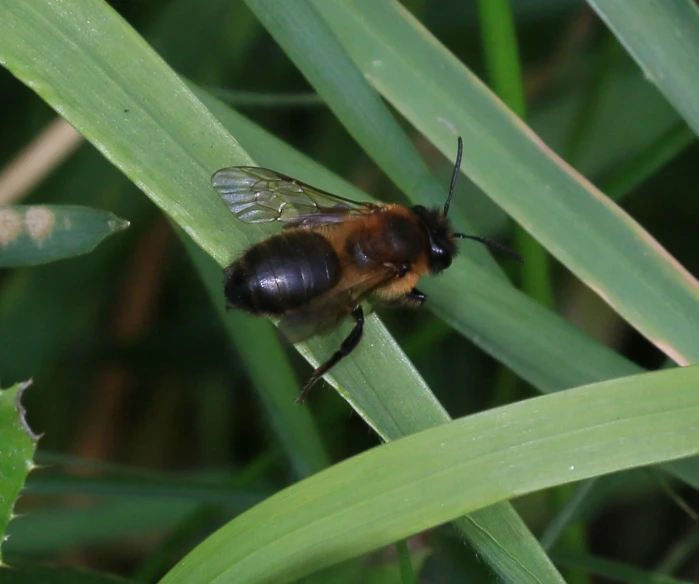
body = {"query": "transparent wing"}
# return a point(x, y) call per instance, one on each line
point(260, 195)
point(326, 312)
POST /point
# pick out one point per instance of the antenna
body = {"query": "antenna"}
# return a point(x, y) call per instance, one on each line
point(488, 242)
point(492, 244)
point(454, 176)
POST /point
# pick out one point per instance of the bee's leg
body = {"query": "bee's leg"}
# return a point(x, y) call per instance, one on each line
point(348, 345)
point(415, 298)
point(412, 299)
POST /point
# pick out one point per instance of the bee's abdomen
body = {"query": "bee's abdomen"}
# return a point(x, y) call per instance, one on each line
point(281, 273)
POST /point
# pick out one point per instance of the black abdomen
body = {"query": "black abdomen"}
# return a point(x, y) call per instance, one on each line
point(281, 273)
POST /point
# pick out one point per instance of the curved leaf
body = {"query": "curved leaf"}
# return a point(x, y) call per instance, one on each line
point(381, 496)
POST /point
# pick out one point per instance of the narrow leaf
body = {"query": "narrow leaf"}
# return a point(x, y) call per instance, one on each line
point(381, 496)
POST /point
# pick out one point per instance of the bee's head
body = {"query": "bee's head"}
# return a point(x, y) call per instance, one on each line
point(441, 238)
point(439, 231)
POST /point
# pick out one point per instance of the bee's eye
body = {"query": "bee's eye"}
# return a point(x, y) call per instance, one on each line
point(440, 259)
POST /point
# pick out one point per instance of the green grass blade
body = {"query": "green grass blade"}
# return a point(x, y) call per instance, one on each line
point(407, 574)
point(18, 445)
point(598, 241)
point(663, 38)
point(505, 73)
point(357, 506)
point(501, 53)
point(38, 234)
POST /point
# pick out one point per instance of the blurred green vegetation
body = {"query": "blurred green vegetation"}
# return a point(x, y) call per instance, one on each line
point(134, 369)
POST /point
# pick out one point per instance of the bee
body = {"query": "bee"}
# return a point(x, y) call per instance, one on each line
point(332, 254)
